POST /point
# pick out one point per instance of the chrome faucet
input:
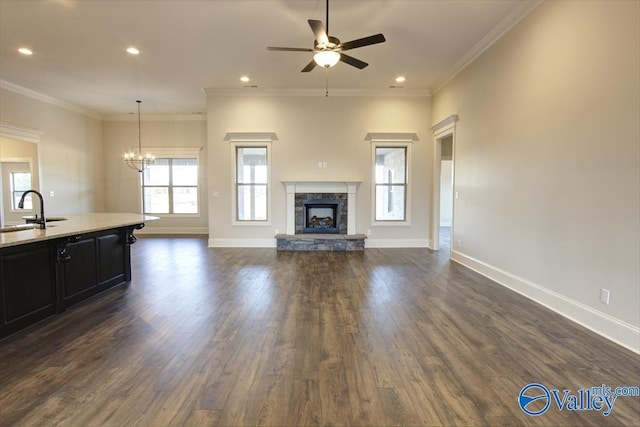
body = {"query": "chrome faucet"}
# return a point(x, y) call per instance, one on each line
point(43, 221)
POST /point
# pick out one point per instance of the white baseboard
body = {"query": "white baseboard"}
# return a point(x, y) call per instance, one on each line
point(395, 243)
point(616, 330)
point(242, 243)
point(173, 230)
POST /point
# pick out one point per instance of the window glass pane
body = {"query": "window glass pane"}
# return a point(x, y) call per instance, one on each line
point(390, 202)
point(185, 200)
point(390, 165)
point(28, 204)
point(252, 202)
point(185, 172)
point(157, 173)
point(251, 165)
point(156, 200)
point(21, 181)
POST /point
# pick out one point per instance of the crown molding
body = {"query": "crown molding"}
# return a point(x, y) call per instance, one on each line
point(315, 92)
point(20, 133)
point(518, 14)
point(47, 99)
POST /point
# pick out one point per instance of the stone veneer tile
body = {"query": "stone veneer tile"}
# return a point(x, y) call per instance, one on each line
point(316, 242)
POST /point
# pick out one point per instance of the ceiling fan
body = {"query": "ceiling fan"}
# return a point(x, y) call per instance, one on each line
point(328, 49)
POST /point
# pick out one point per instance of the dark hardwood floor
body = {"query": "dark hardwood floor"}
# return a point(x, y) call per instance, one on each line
point(256, 337)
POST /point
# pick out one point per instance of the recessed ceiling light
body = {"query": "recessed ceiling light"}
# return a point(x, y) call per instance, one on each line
point(400, 79)
point(25, 51)
point(133, 51)
point(245, 79)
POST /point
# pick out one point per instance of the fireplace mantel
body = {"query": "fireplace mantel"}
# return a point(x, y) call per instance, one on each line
point(348, 187)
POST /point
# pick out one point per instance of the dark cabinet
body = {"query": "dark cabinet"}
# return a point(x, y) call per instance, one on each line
point(44, 278)
point(111, 262)
point(27, 274)
point(78, 270)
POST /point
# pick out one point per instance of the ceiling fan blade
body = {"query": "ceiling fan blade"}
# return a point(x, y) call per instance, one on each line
point(319, 31)
point(290, 49)
point(365, 41)
point(310, 66)
point(353, 61)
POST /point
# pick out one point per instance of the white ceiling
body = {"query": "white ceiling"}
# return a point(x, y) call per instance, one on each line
point(187, 46)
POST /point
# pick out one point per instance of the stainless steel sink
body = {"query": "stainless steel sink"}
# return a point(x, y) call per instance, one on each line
point(33, 220)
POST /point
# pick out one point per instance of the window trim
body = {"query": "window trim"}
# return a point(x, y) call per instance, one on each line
point(406, 144)
point(234, 145)
point(175, 153)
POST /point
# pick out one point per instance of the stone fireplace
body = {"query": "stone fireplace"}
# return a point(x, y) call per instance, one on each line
point(328, 195)
point(321, 216)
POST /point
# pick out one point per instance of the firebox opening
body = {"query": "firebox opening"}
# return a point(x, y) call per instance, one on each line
point(320, 216)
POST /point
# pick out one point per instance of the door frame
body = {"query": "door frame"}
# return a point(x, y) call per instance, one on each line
point(443, 129)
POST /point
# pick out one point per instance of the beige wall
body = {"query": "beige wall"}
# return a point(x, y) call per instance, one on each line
point(69, 152)
point(548, 160)
point(312, 129)
point(123, 183)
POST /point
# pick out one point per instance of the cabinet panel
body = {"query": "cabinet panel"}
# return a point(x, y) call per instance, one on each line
point(80, 272)
point(112, 262)
point(29, 283)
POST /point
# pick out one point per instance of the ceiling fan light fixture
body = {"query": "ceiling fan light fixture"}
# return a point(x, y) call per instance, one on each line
point(326, 58)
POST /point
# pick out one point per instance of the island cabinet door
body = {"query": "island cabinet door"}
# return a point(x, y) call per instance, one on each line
point(79, 271)
point(112, 259)
point(28, 282)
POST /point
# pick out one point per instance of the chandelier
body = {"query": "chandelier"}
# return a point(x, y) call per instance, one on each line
point(139, 161)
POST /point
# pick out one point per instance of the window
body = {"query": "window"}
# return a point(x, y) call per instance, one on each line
point(390, 183)
point(20, 182)
point(252, 181)
point(170, 186)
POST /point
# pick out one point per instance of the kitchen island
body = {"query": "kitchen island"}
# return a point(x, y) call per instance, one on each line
point(44, 271)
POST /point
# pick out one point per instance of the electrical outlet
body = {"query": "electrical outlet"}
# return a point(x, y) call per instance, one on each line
point(604, 296)
point(368, 232)
point(459, 242)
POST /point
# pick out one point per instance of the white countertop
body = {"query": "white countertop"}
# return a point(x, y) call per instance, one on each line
point(73, 225)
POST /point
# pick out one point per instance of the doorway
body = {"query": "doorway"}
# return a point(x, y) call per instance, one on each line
point(446, 192)
point(19, 168)
point(443, 202)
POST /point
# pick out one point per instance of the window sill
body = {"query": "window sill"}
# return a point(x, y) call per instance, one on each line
point(265, 223)
point(391, 223)
point(164, 215)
